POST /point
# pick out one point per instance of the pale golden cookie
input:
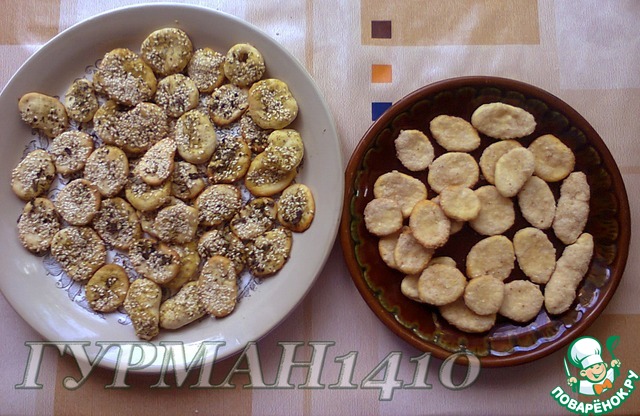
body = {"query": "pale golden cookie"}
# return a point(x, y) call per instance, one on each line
point(142, 127)
point(269, 252)
point(382, 216)
point(227, 104)
point(206, 69)
point(223, 242)
point(107, 288)
point(255, 218)
point(70, 151)
point(441, 284)
point(124, 77)
point(459, 203)
point(108, 169)
point(37, 225)
point(553, 159)
point(296, 208)
point(243, 65)
point(513, 169)
point(187, 181)
point(522, 301)
point(183, 308)
point(230, 161)
point(572, 266)
point(79, 251)
point(490, 156)
point(463, 318)
point(271, 104)
point(284, 151)
point(145, 197)
point(414, 150)
point(537, 203)
point(410, 256)
point(535, 254)
point(406, 190)
point(429, 224)
point(167, 51)
point(572, 212)
point(156, 165)
point(264, 180)
point(80, 101)
point(455, 134)
point(493, 256)
point(117, 223)
point(503, 121)
point(78, 202)
point(142, 304)
point(453, 169)
point(33, 175)
point(218, 203)
point(218, 287)
point(154, 260)
point(195, 137)
point(484, 295)
point(177, 94)
point(496, 215)
point(177, 224)
point(43, 113)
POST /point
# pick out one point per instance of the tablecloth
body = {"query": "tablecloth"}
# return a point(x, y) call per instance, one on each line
point(364, 55)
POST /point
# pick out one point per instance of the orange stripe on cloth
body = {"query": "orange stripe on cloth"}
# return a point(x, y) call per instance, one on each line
point(29, 22)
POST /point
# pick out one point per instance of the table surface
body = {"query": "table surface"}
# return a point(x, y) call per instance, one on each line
point(363, 54)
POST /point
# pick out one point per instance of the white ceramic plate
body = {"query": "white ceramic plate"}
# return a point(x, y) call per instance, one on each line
point(46, 302)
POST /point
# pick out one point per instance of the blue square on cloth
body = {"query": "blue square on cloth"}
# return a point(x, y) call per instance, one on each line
point(377, 108)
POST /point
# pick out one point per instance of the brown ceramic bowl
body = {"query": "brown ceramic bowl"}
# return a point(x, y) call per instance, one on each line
point(421, 325)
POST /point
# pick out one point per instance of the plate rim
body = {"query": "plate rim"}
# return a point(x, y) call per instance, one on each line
point(329, 131)
point(348, 243)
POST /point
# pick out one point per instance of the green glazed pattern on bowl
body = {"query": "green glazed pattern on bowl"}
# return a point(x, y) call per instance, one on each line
point(421, 325)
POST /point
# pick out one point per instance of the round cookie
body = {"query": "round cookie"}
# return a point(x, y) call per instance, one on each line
point(484, 295)
point(243, 65)
point(107, 288)
point(463, 318)
point(414, 150)
point(70, 151)
point(117, 223)
point(177, 94)
point(522, 301)
point(493, 256)
point(227, 104)
point(124, 77)
point(80, 101)
point(453, 169)
point(80, 252)
point(108, 169)
point(167, 51)
point(206, 69)
point(441, 284)
point(429, 224)
point(382, 216)
point(496, 214)
point(78, 202)
point(33, 175)
point(271, 104)
point(455, 134)
point(37, 225)
point(406, 190)
point(296, 208)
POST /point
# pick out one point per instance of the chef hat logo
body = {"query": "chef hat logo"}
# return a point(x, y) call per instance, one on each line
point(585, 352)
